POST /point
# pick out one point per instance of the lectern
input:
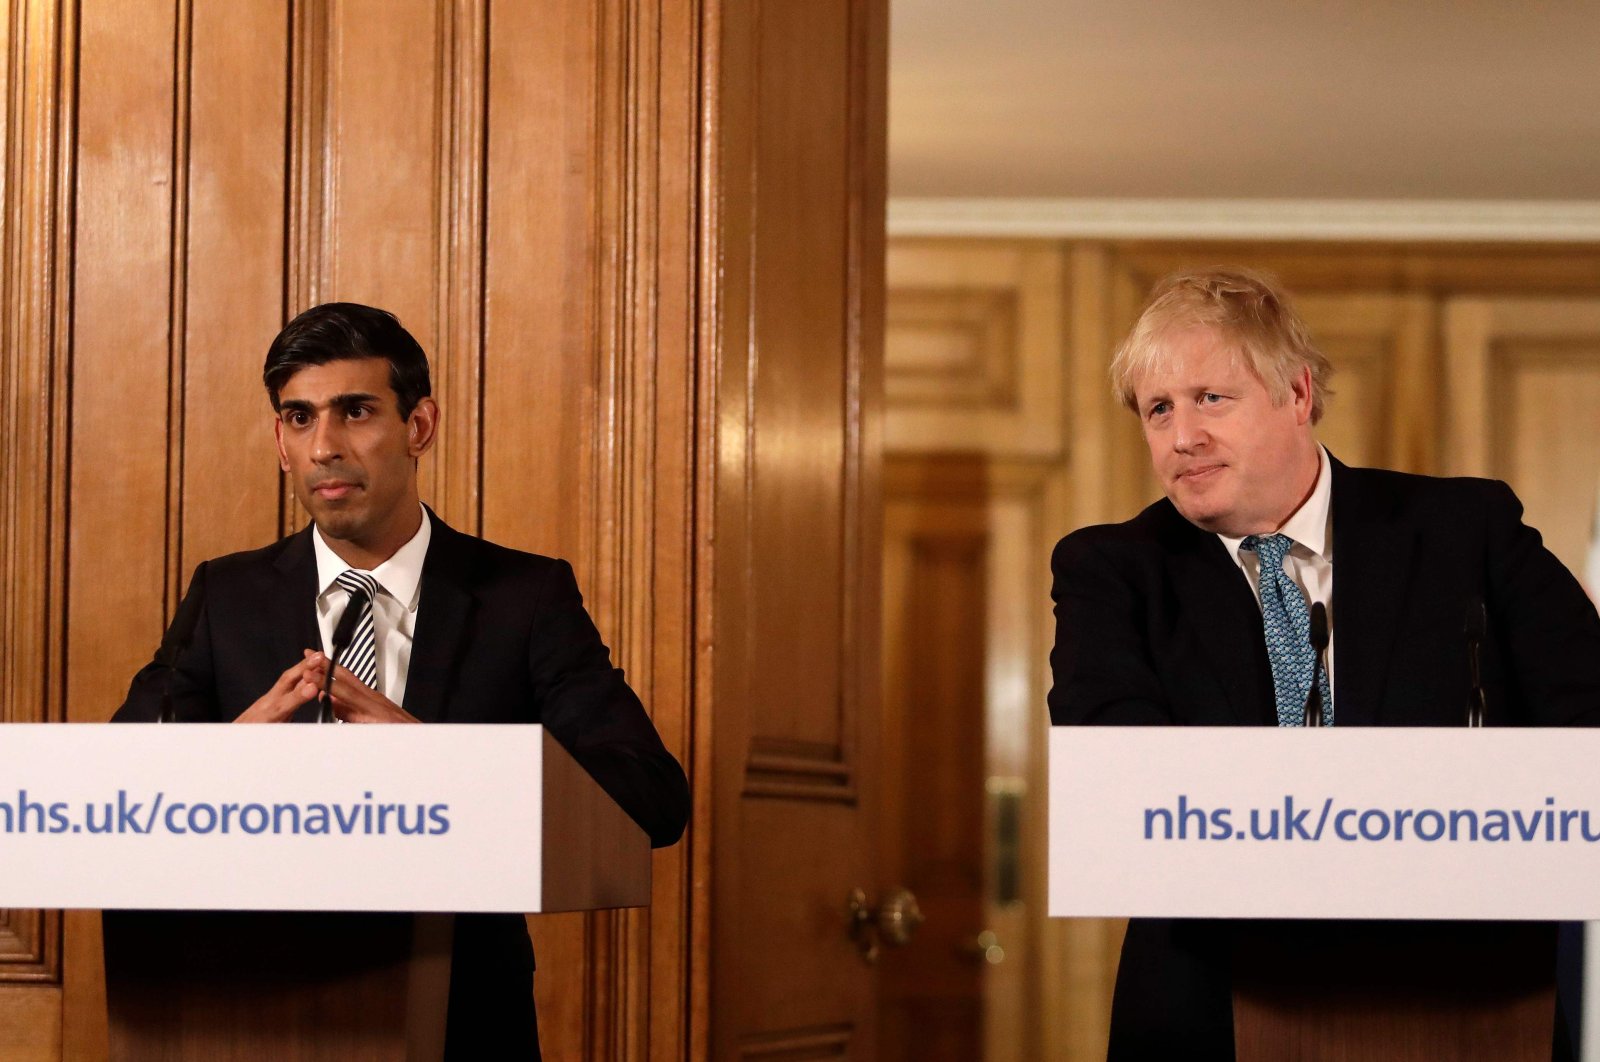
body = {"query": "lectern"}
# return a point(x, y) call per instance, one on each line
point(1394, 991)
point(302, 986)
point(291, 893)
point(1388, 893)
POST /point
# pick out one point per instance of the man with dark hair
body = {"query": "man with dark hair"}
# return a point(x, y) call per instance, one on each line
point(460, 630)
point(339, 330)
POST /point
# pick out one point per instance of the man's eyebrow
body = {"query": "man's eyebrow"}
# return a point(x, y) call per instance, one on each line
point(344, 401)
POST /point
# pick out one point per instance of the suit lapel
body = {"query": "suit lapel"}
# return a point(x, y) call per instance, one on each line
point(442, 613)
point(1214, 592)
point(1372, 571)
point(292, 622)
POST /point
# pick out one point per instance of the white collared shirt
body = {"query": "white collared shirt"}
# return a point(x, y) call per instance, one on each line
point(394, 609)
point(1310, 561)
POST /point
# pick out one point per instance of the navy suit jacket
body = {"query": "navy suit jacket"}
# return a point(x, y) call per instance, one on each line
point(1156, 624)
point(502, 637)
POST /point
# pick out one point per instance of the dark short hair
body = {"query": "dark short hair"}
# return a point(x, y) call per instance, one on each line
point(336, 331)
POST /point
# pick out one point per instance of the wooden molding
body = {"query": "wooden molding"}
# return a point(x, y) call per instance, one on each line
point(973, 348)
point(1523, 373)
point(452, 475)
point(34, 340)
point(30, 946)
point(1250, 219)
point(708, 350)
point(798, 770)
point(310, 167)
point(178, 295)
point(819, 1042)
point(955, 347)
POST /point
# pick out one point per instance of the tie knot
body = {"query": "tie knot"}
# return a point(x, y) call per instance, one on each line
point(1271, 548)
point(357, 582)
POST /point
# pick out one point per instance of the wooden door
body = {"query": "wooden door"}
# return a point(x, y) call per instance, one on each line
point(935, 833)
point(793, 523)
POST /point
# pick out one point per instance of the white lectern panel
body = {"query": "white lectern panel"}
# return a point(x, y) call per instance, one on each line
point(352, 818)
point(1373, 822)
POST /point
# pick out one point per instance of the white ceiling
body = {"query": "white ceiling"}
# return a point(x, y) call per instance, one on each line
point(1344, 99)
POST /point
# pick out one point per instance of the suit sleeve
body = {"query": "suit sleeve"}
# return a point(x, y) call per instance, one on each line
point(1546, 623)
point(181, 668)
point(1100, 666)
point(588, 706)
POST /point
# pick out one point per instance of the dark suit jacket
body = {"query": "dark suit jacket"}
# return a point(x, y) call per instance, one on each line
point(501, 637)
point(1155, 624)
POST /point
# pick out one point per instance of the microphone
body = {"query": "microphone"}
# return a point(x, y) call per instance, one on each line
point(1476, 629)
point(179, 635)
point(343, 632)
point(1319, 646)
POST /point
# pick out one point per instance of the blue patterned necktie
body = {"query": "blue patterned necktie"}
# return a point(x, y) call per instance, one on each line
point(361, 658)
point(1287, 621)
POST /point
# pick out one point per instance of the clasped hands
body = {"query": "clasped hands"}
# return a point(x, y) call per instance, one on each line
point(352, 700)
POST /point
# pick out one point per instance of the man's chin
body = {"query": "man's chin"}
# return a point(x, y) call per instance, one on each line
point(1205, 513)
point(335, 518)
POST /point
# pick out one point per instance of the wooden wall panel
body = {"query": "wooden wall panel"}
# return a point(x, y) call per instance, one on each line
point(383, 120)
point(452, 480)
point(590, 349)
point(37, 55)
point(539, 196)
point(541, 369)
point(1522, 375)
point(665, 351)
point(122, 397)
point(229, 302)
point(1373, 340)
point(797, 378)
point(972, 347)
point(229, 165)
point(30, 1025)
point(1557, 469)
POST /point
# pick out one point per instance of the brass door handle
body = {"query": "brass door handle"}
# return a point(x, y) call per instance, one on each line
point(894, 922)
point(985, 947)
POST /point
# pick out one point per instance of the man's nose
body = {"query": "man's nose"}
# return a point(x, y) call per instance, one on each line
point(1188, 432)
point(327, 440)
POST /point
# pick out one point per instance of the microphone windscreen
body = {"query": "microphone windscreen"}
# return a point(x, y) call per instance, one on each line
point(1319, 626)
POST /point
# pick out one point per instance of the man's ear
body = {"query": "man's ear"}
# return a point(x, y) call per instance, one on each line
point(277, 437)
point(421, 427)
point(1300, 393)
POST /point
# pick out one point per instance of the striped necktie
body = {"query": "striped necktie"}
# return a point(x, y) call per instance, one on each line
point(1287, 624)
point(361, 658)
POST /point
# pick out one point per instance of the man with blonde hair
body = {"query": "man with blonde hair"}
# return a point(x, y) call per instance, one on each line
point(1197, 611)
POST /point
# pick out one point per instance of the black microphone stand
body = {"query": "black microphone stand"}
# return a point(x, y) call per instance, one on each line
point(343, 632)
point(1477, 626)
point(181, 633)
point(1319, 646)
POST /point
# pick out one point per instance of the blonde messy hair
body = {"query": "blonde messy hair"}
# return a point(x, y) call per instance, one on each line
point(1249, 310)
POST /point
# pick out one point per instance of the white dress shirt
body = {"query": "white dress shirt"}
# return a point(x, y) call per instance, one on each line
point(394, 609)
point(1310, 560)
